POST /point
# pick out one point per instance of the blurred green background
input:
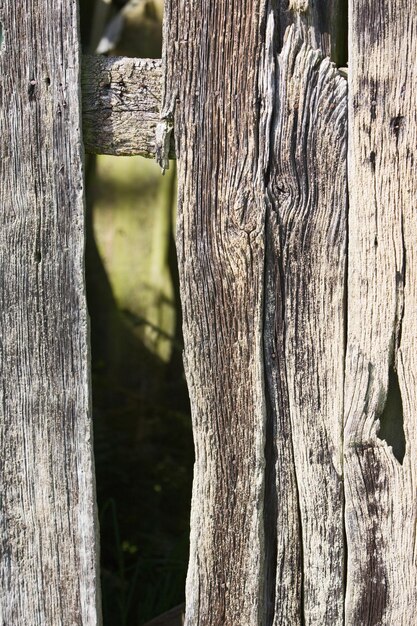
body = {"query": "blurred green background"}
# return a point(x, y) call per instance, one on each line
point(142, 426)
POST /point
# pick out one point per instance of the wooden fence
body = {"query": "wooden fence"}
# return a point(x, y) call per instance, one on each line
point(296, 238)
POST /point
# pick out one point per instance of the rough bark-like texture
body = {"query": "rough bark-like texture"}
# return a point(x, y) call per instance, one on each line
point(304, 332)
point(121, 105)
point(213, 61)
point(381, 367)
point(324, 23)
point(48, 565)
point(239, 192)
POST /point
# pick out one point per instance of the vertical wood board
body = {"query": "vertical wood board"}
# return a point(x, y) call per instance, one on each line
point(261, 149)
point(381, 366)
point(212, 59)
point(48, 567)
point(305, 332)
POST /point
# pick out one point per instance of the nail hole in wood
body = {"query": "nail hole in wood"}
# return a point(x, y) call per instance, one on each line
point(397, 123)
point(372, 158)
point(31, 89)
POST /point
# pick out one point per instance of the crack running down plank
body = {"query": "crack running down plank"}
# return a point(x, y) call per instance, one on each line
point(304, 320)
point(304, 335)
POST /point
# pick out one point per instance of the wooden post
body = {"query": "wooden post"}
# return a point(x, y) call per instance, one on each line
point(381, 365)
point(261, 148)
point(304, 338)
point(217, 112)
point(48, 565)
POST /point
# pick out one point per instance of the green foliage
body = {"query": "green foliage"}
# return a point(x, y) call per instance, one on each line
point(158, 582)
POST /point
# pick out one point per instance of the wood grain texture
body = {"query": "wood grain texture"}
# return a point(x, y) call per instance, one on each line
point(304, 332)
point(381, 367)
point(121, 105)
point(48, 565)
point(122, 96)
point(212, 58)
point(324, 24)
point(261, 149)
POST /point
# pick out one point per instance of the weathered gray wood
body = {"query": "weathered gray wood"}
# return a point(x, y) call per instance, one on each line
point(324, 23)
point(48, 543)
point(212, 55)
point(381, 367)
point(122, 96)
point(282, 563)
point(121, 105)
point(304, 333)
point(303, 327)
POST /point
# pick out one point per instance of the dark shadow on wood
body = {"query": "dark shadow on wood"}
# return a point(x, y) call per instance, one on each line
point(391, 420)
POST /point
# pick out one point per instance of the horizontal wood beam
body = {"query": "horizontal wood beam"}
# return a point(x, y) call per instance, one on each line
point(121, 105)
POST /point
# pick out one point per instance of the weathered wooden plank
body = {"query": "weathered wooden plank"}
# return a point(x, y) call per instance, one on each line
point(304, 332)
point(48, 566)
point(121, 105)
point(381, 367)
point(324, 23)
point(212, 55)
point(122, 96)
point(222, 99)
point(307, 505)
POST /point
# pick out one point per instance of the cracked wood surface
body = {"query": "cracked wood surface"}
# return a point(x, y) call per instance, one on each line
point(304, 334)
point(381, 366)
point(262, 237)
point(48, 544)
point(256, 198)
point(324, 24)
point(122, 96)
